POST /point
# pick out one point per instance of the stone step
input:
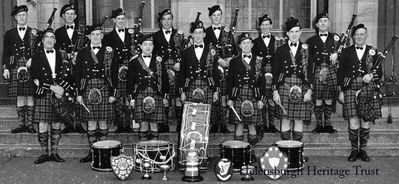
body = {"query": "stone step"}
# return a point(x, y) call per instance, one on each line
point(7, 101)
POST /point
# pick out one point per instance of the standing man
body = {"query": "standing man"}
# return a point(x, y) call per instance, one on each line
point(66, 37)
point(265, 46)
point(357, 78)
point(120, 41)
point(51, 78)
point(168, 44)
point(96, 90)
point(321, 59)
point(291, 88)
point(215, 35)
point(148, 88)
point(17, 53)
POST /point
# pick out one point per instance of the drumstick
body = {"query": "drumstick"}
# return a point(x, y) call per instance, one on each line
point(87, 109)
point(235, 112)
point(282, 108)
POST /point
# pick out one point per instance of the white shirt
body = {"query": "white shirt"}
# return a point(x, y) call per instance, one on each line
point(293, 48)
point(199, 50)
point(167, 36)
point(21, 33)
point(217, 31)
point(95, 50)
point(121, 34)
point(51, 61)
point(246, 59)
point(359, 52)
point(266, 40)
point(70, 31)
point(323, 38)
point(147, 60)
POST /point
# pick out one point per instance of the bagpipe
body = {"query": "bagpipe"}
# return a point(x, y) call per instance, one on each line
point(189, 41)
point(227, 38)
point(137, 32)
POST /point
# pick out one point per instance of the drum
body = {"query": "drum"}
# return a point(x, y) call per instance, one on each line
point(294, 151)
point(102, 152)
point(156, 151)
point(236, 151)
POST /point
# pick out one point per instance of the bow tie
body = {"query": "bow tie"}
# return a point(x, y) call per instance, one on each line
point(214, 28)
point(69, 27)
point(292, 44)
point(22, 28)
point(248, 56)
point(49, 51)
point(96, 47)
point(200, 46)
point(121, 30)
point(323, 35)
point(360, 48)
point(148, 56)
point(167, 31)
point(267, 36)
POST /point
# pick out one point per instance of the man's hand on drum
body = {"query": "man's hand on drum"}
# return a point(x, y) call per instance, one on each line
point(6, 74)
point(132, 103)
point(57, 89)
point(183, 97)
point(276, 97)
point(260, 104)
point(79, 99)
point(215, 96)
point(111, 99)
point(165, 102)
point(308, 96)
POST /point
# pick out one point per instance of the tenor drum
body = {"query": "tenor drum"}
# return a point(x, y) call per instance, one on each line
point(102, 152)
point(156, 152)
point(294, 151)
point(236, 151)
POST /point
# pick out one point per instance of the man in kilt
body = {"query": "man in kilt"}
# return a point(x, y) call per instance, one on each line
point(265, 46)
point(199, 81)
point(17, 53)
point(48, 73)
point(169, 43)
point(291, 88)
point(66, 37)
point(215, 35)
point(96, 92)
point(358, 78)
point(246, 89)
point(120, 41)
point(322, 59)
point(148, 87)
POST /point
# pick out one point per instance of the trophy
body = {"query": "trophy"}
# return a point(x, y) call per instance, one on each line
point(192, 173)
point(146, 166)
point(165, 169)
point(246, 170)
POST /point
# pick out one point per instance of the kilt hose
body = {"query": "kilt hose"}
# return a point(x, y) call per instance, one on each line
point(322, 91)
point(98, 112)
point(246, 93)
point(158, 115)
point(202, 84)
point(295, 110)
point(350, 107)
point(44, 110)
point(17, 88)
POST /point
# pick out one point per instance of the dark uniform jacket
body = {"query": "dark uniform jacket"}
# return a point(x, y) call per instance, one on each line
point(165, 49)
point(210, 38)
point(267, 52)
point(14, 46)
point(63, 41)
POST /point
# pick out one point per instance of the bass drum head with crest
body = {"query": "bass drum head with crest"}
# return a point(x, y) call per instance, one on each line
point(122, 166)
point(94, 96)
point(122, 73)
point(198, 95)
point(247, 108)
point(295, 93)
point(22, 74)
point(148, 105)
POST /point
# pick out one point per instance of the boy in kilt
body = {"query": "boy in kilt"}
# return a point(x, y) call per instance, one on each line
point(265, 46)
point(66, 37)
point(322, 59)
point(215, 35)
point(148, 87)
point(246, 87)
point(120, 41)
point(50, 76)
point(357, 77)
point(19, 46)
point(291, 88)
point(169, 43)
point(96, 92)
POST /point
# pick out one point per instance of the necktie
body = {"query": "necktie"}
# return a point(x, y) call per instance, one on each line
point(324, 35)
point(200, 46)
point(121, 30)
point(49, 51)
point(148, 56)
point(293, 44)
point(267, 36)
point(69, 27)
point(360, 48)
point(22, 28)
point(248, 56)
point(96, 47)
point(214, 28)
point(167, 32)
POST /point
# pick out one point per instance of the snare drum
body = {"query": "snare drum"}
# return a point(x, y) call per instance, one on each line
point(236, 151)
point(294, 151)
point(102, 152)
point(156, 151)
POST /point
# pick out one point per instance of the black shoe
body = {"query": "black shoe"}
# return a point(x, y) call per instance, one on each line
point(163, 128)
point(67, 130)
point(213, 129)
point(128, 129)
point(31, 130)
point(42, 159)
point(329, 129)
point(363, 156)
point(19, 129)
point(318, 129)
point(79, 129)
point(353, 156)
point(55, 157)
point(86, 159)
point(270, 129)
point(224, 129)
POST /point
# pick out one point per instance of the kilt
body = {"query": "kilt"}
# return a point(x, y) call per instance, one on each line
point(295, 110)
point(223, 83)
point(44, 110)
point(202, 84)
point(16, 88)
point(173, 89)
point(332, 80)
point(158, 116)
point(322, 91)
point(350, 106)
point(247, 94)
point(103, 111)
point(122, 85)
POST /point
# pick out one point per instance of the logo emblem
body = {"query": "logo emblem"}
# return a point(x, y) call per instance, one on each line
point(122, 166)
point(274, 163)
point(223, 169)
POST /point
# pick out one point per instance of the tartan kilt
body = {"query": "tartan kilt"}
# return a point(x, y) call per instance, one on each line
point(332, 80)
point(158, 116)
point(322, 91)
point(16, 88)
point(103, 111)
point(223, 83)
point(122, 85)
point(173, 89)
point(246, 93)
point(44, 110)
point(350, 107)
point(202, 84)
point(295, 110)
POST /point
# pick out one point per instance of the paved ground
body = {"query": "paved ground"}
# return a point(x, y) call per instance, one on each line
point(22, 170)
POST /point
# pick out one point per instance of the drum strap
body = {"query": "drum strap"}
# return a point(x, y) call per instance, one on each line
point(246, 64)
point(94, 56)
point(149, 71)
